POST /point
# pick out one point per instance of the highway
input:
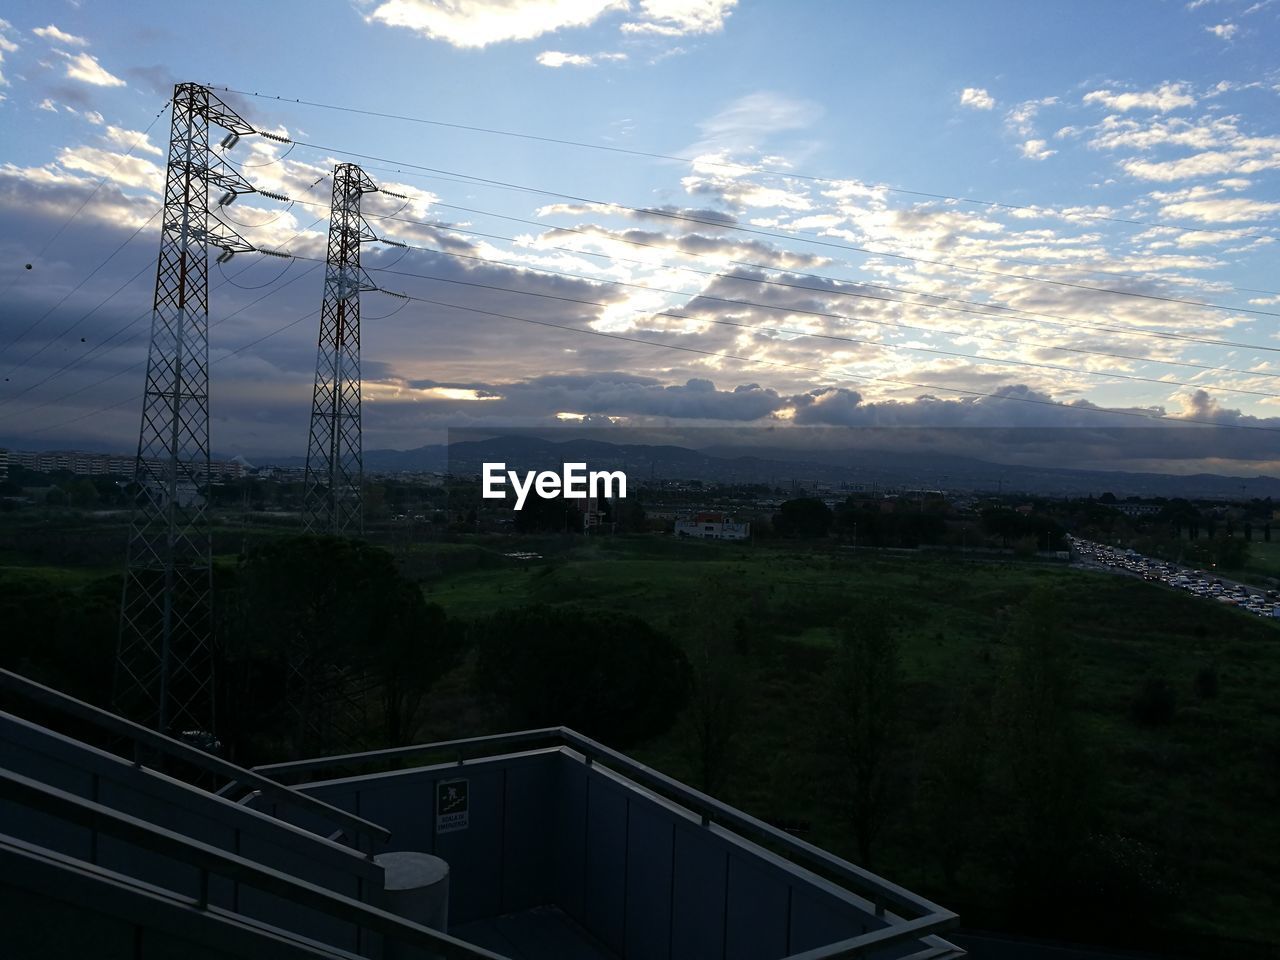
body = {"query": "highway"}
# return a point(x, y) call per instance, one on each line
point(1209, 584)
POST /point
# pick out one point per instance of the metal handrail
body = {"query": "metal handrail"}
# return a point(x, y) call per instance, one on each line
point(881, 892)
point(140, 736)
point(212, 861)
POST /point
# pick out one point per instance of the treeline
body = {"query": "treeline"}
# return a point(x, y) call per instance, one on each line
point(910, 523)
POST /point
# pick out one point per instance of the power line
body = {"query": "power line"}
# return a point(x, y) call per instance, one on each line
point(694, 350)
point(760, 328)
point(139, 363)
point(461, 178)
point(984, 309)
point(137, 141)
point(40, 319)
point(1016, 313)
point(225, 279)
point(83, 317)
point(837, 316)
point(134, 399)
point(651, 155)
point(802, 237)
point(977, 394)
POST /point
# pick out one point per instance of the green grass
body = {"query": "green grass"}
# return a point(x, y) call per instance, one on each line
point(1201, 789)
point(66, 577)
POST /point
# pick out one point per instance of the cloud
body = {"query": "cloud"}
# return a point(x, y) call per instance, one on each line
point(1036, 150)
point(6, 46)
point(1221, 210)
point(747, 122)
point(1166, 97)
point(478, 23)
point(801, 378)
point(1020, 120)
point(54, 35)
point(554, 58)
point(126, 171)
point(131, 140)
point(1222, 148)
point(1223, 31)
point(85, 67)
point(678, 18)
point(1207, 164)
point(1115, 132)
point(977, 98)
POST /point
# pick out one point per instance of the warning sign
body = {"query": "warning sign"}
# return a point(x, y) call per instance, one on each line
point(451, 806)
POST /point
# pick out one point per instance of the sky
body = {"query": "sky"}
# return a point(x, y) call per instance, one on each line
point(731, 213)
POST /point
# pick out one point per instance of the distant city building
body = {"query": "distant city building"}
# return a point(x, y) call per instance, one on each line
point(102, 464)
point(1136, 509)
point(4, 464)
point(285, 474)
point(712, 526)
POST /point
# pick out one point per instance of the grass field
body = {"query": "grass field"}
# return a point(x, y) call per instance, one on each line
point(1201, 789)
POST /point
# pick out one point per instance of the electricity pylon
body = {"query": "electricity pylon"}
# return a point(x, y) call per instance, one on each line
point(332, 498)
point(164, 662)
point(327, 698)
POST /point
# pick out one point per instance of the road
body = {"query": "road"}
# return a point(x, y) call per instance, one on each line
point(1087, 555)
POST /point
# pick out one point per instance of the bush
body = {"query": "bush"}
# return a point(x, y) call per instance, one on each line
point(609, 676)
point(1154, 705)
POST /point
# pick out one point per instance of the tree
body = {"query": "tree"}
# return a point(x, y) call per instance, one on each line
point(334, 622)
point(82, 493)
point(631, 515)
point(548, 515)
point(955, 782)
point(804, 517)
point(608, 675)
point(862, 706)
point(1049, 779)
point(60, 636)
point(419, 645)
point(717, 694)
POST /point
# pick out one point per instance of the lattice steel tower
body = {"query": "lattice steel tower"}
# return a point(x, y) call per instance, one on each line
point(332, 496)
point(164, 664)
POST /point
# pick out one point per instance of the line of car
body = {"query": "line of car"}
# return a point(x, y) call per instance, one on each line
point(1198, 582)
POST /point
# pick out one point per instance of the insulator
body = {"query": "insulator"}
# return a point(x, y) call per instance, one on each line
point(275, 253)
point(392, 293)
point(392, 193)
point(273, 196)
point(393, 243)
point(230, 140)
point(227, 198)
point(274, 136)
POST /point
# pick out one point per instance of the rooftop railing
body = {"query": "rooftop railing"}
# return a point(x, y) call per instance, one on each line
point(212, 862)
point(909, 916)
point(360, 833)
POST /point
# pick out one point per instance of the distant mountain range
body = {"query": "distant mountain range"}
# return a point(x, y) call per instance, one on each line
point(781, 467)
